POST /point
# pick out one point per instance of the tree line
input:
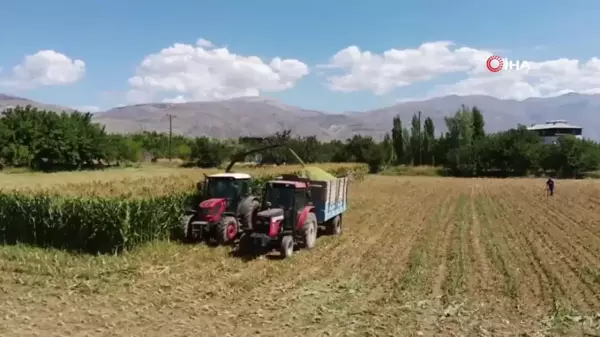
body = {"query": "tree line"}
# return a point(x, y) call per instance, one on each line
point(49, 141)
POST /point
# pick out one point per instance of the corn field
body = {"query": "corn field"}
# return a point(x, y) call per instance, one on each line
point(107, 216)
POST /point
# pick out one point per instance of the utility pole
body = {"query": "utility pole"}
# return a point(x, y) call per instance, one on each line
point(420, 140)
point(170, 135)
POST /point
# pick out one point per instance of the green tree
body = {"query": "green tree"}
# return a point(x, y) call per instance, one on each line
point(389, 155)
point(478, 124)
point(428, 142)
point(398, 140)
point(408, 154)
point(461, 154)
point(208, 153)
point(416, 139)
point(365, 150)
point(50, 141)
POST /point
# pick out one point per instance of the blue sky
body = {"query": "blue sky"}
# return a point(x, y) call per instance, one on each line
point(113, 37)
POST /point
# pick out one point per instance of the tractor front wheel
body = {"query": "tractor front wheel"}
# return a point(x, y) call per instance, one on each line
point(286, 247)
point(227, 230)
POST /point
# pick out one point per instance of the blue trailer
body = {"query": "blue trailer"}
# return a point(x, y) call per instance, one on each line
point(330, 199)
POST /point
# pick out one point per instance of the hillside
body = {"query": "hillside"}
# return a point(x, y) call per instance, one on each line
point(242, 116)
point(8, 101)
point(499, 114)
point(260, 116)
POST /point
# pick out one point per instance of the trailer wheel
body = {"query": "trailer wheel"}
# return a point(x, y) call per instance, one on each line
point(286, 247)
point(310, 231)
point(335, 227)
point(227, 230)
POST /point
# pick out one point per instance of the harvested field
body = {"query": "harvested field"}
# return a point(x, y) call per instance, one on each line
point(419, 257)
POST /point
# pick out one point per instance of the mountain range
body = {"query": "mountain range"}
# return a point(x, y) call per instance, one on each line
point(259, 116)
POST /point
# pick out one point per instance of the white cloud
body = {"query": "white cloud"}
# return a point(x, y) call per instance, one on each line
point(88, 108)
point(380, 73)
point(45, 68)
point(204, 43)
point(352, 70)
point(204, 72)
point(547, 78)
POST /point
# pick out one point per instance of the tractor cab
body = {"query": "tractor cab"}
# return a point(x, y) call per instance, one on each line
point(227, 188)
point(224, 208)
point(282, 202)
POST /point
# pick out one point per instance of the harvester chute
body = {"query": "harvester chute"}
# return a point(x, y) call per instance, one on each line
point(308, 172)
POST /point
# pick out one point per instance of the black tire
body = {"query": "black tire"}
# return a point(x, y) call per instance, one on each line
point(186, 230)
point(227, 229)
point(249, 216)
point(245, 245)
point(309, 231)
point(335, 226)
point(286, 248)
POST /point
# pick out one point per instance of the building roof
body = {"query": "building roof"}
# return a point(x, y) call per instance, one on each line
point(555, 124)
point(231, 175)
point(296, 184)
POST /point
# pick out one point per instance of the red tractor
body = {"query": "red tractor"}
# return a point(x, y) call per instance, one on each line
point(292, 211)
point(226, 209)
point(224, 206)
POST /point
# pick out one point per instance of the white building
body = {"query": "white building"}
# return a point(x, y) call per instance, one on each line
point(550, 131)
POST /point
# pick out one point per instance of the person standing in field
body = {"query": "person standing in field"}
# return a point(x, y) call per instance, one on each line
point(550, 186)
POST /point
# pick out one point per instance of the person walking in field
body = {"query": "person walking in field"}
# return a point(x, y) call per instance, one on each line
point(550, 186)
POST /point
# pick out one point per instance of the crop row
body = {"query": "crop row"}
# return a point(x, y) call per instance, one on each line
point(102, 217)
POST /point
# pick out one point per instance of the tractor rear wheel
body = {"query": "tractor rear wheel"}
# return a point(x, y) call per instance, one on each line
point(335, 227)
point(227, 230)
point(249, 216)
point(286, 247)
point(310, 231)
